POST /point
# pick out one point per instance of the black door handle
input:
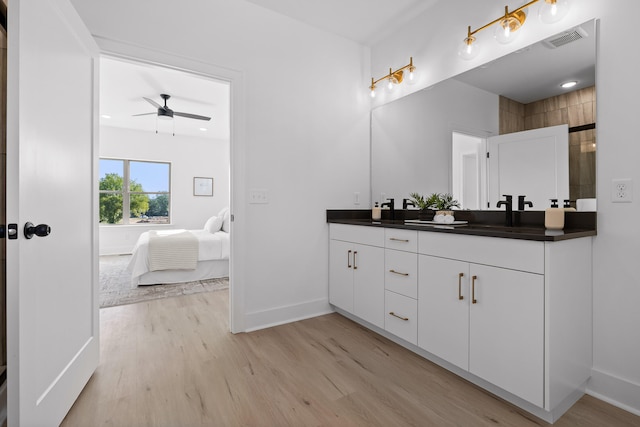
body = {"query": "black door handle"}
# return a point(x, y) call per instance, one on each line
point(41, 230)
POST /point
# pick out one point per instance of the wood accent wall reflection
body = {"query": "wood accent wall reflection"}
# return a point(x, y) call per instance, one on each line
point(575, 108)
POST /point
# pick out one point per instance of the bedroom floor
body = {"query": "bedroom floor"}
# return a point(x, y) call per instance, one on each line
point(172, 362)
point(116, 287)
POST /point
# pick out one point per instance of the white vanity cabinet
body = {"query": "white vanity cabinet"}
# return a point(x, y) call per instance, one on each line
point(356, 271)
point(501, 308)
point(511, 315)
point(487, 320)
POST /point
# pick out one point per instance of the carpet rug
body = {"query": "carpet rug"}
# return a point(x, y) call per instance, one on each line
point(116, 287)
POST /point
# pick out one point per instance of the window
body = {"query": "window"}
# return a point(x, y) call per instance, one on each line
point(146, 198)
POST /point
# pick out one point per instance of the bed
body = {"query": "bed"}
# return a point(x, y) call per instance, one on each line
point(177, 256)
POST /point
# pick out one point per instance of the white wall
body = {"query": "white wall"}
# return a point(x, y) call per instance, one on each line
point(306, 138)
point(189, 157)
point(432, 39)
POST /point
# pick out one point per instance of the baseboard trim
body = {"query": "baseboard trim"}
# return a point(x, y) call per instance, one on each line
point(286, 314)
point(614, 390)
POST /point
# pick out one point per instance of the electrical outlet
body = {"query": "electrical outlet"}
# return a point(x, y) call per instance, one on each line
point(622, 191)
point(258, 196)
point(356, 198)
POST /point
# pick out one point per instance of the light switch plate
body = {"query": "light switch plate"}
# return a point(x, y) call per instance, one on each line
point(258, 196)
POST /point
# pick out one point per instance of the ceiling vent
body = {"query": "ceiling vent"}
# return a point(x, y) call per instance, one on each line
point(565, 38)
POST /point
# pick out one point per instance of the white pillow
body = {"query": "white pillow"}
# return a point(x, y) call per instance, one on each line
point(214, 224)
point(226, 222)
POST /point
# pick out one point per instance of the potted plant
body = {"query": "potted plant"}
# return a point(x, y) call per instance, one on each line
point(440, 202)
point(424, 204)
point(444, 203)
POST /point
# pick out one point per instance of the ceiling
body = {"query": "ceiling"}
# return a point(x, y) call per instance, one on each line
point(364, 21)
point(123, 85)
point(530, 74)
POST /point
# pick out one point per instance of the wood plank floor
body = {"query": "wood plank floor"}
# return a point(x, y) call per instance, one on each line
point(173, 363)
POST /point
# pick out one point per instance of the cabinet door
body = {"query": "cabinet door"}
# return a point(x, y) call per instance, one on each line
point(506, 330)
point(368, 284)
point(341, 274)
point(443, 320)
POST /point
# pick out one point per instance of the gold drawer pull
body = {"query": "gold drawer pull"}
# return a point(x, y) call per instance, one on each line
point(397, 272)
point(395, 239)
point(460, 276)
point(355, 265)
point(473, 289)
point(406, 319)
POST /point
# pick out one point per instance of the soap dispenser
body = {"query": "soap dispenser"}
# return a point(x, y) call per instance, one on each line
point(567, 206)
point(554, 216)
point(376, 212)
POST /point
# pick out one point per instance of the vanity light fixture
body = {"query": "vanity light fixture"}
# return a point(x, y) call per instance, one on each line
point(394, 78)
point(508, 25)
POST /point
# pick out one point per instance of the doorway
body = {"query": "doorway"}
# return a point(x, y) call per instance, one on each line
point(468, 170)
point(161, 159)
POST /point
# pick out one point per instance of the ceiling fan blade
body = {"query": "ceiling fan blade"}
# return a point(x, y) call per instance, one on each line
point(152, 102)
point(144, 114)
point(191, 116)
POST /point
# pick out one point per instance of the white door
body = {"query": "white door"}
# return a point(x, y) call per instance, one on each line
point(341, 274)
point(506, 330)
point(533, 163)
point(368, 284)
point(443, 325)
point(52, 301)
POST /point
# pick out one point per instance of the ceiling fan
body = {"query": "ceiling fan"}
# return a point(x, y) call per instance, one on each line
point(167, 113)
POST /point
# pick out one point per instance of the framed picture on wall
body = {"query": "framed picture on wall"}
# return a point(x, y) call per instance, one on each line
point(202, 186)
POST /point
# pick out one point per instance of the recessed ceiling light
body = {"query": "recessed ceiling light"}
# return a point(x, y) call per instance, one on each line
point(105, 116)
point(203, 129)
point(569, 84)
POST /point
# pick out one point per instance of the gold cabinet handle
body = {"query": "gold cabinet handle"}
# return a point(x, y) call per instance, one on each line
point(349, 259)
point(406, 319)
point(355, 267)
point(397, 272)
point(395, 239)
point(473, 289)
point(460, 276)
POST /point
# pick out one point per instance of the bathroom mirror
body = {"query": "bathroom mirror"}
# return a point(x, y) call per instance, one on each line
point(437, 139)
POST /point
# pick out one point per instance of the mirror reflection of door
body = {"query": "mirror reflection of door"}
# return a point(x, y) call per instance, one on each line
point(533, 163)
point(468, 170)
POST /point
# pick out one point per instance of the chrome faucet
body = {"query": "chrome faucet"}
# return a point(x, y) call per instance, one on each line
point(508, 203)
point(406, 203)
point(391, 204)
point(522, 203)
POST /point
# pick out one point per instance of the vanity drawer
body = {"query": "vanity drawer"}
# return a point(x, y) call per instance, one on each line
point(402, 240)
point(401, 316)
point(401, 272)
point(372, 236)
point(524, 255)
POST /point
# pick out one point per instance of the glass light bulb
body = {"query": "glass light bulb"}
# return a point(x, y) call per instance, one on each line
point(552, 11)
point(390, 84)
point(411, 77)
point(373, 92)
point(469, 48)
point(504, 32)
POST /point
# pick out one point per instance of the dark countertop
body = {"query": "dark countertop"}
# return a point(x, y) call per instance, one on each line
point(530, 225)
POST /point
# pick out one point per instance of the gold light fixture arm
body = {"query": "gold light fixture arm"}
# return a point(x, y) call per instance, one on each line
point(517, 14)
point(397, 75)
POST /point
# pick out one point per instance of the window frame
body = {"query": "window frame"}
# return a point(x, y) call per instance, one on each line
point(126, 191)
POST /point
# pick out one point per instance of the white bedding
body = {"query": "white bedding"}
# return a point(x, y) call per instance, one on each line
point(211, 246)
